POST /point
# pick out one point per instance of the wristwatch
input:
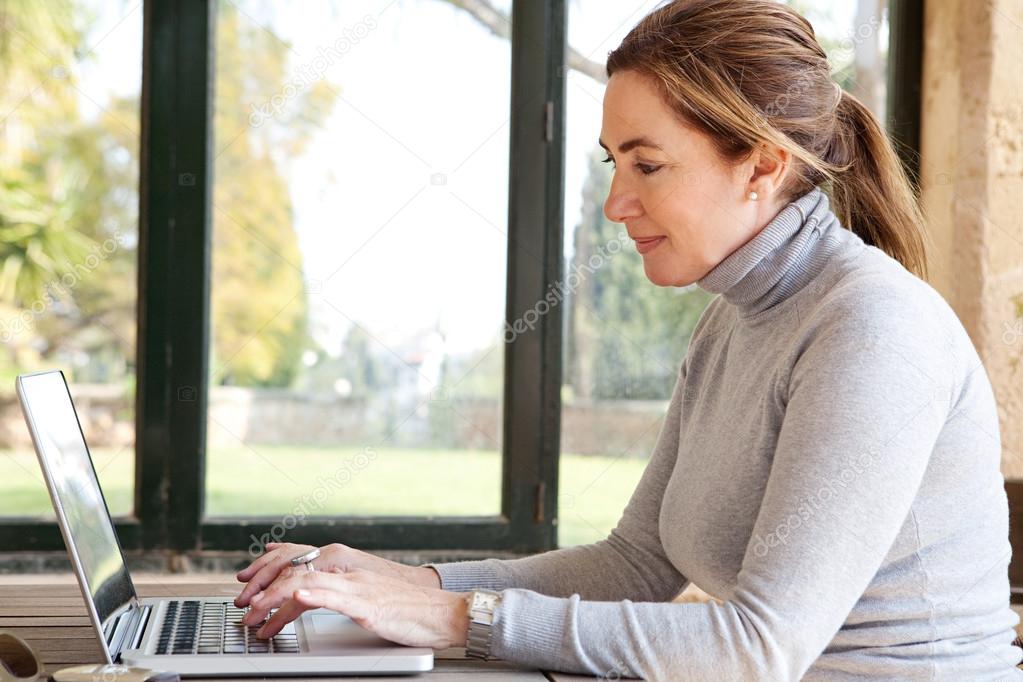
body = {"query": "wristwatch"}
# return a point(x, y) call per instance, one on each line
point(482, 605)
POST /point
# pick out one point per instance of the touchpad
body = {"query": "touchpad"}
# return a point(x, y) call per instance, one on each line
point(327, 624)
point(327, 630)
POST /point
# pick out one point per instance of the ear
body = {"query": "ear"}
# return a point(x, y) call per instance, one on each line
point(768, 168)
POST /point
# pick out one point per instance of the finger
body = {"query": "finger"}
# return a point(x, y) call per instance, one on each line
point(289, 611)
point(260, 606)
point(280, 590)
point(347, 603)
point(247, 572)
point(244, 574)
point(276, 561)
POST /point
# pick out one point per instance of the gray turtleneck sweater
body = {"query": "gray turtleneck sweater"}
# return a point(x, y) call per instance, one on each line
point(828, 469)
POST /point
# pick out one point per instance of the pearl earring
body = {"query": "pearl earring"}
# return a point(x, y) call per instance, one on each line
point(753, 196)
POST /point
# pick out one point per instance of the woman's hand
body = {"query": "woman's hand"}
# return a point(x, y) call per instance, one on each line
point(277, 559)
point(393, 609)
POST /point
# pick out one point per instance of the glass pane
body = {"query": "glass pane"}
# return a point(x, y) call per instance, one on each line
point(69, 123)
point(360, 202)
point(625, 338)
point(855, 37)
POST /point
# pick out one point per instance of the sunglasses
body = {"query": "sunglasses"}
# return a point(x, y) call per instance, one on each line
point(18, 663)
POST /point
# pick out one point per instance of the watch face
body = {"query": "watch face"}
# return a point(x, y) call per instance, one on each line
point(484, 600)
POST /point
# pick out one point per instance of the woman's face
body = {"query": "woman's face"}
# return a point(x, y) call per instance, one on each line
point(685, 207)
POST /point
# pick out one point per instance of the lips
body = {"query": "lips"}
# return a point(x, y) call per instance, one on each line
point(648, 244)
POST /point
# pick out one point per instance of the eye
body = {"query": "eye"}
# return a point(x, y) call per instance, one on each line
point(608, 159)
point(647, 169)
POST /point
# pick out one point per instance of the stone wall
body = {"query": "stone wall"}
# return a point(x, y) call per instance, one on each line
point(243, 416)
point(279, 417)
point(972, 181)
point(622, 427)
point(105, 412)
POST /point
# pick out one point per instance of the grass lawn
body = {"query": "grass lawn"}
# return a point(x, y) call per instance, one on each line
point(271, 480)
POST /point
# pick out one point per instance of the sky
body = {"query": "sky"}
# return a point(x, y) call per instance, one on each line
point(401, 199)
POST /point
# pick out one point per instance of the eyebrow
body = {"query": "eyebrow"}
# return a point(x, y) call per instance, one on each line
point(635, 142)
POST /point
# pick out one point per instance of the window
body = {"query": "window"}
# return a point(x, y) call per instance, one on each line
point(359, 250)
point(855, 37)
point(69, 121)
point(304, 338)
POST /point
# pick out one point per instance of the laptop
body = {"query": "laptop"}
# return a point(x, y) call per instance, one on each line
point(192, 637)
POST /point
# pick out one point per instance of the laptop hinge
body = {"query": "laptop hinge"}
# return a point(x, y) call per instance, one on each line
point(140, 627)
point(126, 628)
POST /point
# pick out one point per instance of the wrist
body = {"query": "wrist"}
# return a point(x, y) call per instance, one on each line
point(427, 576)
point(459, 631)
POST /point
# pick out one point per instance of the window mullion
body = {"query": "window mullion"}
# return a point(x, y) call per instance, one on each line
point(532, 401)
point(174, 255)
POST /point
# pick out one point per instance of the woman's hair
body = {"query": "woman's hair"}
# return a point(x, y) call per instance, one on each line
point(750, 72)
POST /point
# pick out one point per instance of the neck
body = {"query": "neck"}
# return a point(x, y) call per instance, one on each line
point(787, 253)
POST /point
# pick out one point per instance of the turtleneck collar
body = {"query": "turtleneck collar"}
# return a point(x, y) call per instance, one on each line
point(781, 258)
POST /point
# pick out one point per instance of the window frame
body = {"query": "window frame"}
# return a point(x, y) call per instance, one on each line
point(171, 424)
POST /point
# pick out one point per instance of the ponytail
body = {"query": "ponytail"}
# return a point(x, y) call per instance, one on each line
point(869, 188)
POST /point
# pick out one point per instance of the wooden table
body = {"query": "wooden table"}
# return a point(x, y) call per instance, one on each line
point(49, 614)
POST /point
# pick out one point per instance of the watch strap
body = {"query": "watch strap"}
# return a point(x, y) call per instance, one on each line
point(481, 619)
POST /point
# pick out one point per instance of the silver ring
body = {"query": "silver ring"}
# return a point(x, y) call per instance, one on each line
point(306, 559)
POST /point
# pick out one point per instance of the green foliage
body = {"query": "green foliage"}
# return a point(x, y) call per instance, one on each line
point(627, 337)
point(37, 233)
point(68, 201)
point(475, 375)
point(259, 306)
point(69, 205)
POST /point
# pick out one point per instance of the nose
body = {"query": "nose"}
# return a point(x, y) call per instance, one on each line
point(622, 203)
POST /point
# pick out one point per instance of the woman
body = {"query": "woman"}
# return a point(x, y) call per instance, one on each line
point(829, 465)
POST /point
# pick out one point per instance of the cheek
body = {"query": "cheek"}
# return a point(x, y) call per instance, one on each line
point(686, 216)
point(692, 213)
point(678, 214)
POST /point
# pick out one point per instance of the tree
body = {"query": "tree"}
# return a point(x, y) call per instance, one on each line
point(499, 23)
point(68, 191)
point(66, 198)
point(259, 306)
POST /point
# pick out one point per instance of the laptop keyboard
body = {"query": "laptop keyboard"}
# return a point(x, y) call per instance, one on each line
point(196, 627)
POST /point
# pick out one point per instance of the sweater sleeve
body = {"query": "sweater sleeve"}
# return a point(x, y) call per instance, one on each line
point(629, 563)
point(866, 401)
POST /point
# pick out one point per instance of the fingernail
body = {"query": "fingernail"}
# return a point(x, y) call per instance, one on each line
point(302, 593)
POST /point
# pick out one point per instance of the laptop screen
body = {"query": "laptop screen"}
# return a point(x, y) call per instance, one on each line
point(76, 494)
